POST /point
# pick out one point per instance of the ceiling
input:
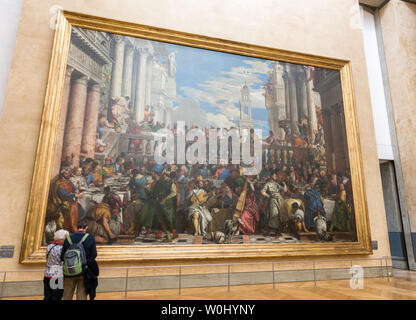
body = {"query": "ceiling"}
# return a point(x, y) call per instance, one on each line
point(373, 3)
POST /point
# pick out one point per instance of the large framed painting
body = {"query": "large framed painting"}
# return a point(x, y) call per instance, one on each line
point(170, 145)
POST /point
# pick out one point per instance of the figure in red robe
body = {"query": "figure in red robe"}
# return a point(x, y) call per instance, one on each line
point(250, 215)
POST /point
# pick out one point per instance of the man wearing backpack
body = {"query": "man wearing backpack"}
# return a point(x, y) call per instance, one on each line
point(78, 250)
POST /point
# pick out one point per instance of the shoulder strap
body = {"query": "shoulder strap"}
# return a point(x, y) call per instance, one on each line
point(83, 238)
point(47, 255)
point(69, 239)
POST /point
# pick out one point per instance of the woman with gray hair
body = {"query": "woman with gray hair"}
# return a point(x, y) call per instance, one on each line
point(53, 278)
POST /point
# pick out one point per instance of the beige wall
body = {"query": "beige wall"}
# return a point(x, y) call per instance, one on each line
point(398, 22)
point(320, 27)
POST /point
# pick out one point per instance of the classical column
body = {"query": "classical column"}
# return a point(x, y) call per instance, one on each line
point(128, 71)
point(62, 121)
point(302, 94)
point(141, 85)
point(280, 97)
point(163, 116)
point(134, 77)
point(339, 134)
point(169, 117)
point(75, 120)
point(89, 134)
point(241, 112)
point(293, 100)
point(312, 120)
point(117, 73)
point(157, 113)
point(149, 74)
point(287, 94)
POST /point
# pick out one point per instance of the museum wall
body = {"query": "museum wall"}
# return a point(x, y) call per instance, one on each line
point(321, 27)
point(398, 23)
point(9, 21)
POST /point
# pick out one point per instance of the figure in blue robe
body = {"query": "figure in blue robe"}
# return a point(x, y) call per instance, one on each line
point(313, 204)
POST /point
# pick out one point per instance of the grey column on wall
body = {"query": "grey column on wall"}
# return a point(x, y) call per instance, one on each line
point(394, 221)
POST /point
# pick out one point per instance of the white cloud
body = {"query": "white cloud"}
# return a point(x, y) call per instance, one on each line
point(219, 121)
point(224, 92)
point(189, 111)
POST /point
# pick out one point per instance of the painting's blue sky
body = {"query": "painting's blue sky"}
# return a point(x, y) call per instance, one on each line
point(209, 86)
point(195, 66)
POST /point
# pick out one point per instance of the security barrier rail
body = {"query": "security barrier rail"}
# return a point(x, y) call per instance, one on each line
point(382, 264)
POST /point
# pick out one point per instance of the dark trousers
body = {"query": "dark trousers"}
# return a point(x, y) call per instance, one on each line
point(49, 293)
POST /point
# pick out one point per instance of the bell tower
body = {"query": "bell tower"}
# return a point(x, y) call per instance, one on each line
point(245, 109)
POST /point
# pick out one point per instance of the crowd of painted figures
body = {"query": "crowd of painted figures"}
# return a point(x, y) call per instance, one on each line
point(144, 199)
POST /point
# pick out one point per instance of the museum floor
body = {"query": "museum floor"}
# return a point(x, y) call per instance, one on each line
point(400, 287)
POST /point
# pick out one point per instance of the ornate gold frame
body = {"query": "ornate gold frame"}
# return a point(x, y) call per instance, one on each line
point(32, 250)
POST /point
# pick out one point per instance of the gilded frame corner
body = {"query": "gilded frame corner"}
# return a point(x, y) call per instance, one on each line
point(32, 250)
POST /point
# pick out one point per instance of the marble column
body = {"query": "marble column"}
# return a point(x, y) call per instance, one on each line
point(89, 134)
point(149, 74)
point(293, 99)
point(159, 114)
point(166, 117)
point(340, 150)
point(287, 93)
point(75, 120)
point(128, 72)
point(302, 94)
point(154, 110)
point(312, 120)
point(117, 73)
point(134, 77)
point(141, 86)
point(241, 112)
point(280, 98)
point(163, 116)
point(62, 121)
point(169, 117)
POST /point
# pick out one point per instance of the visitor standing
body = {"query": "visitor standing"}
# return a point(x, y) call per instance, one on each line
point(79, 250)
point(53, 277)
